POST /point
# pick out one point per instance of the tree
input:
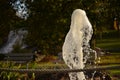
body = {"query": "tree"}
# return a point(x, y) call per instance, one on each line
point(49, 20)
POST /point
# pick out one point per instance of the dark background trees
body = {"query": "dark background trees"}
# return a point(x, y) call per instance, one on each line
point(49, 20)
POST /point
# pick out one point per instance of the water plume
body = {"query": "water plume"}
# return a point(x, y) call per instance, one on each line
point(15, 37)
point(76, 48)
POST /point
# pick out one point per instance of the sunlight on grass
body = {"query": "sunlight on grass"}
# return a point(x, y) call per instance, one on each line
point(47, 65)
point(112, 72)
point(110, 45)
point(110, 59)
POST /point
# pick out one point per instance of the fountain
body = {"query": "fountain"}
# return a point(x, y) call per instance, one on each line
point(76, 48)
point(14, 37)
point(17, 36)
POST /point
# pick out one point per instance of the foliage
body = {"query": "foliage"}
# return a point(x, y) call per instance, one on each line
point(9, 75)
point(49, 20)
point(25, 76)
point(17, 49)
point(33, 65)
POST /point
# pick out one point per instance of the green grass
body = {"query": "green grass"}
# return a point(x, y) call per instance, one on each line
point(106, 44)
point(112, 45)
point(109, 59)
point(47, 65)
point(113, 72)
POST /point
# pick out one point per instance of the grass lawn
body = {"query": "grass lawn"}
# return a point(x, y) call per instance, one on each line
point(111, 45)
